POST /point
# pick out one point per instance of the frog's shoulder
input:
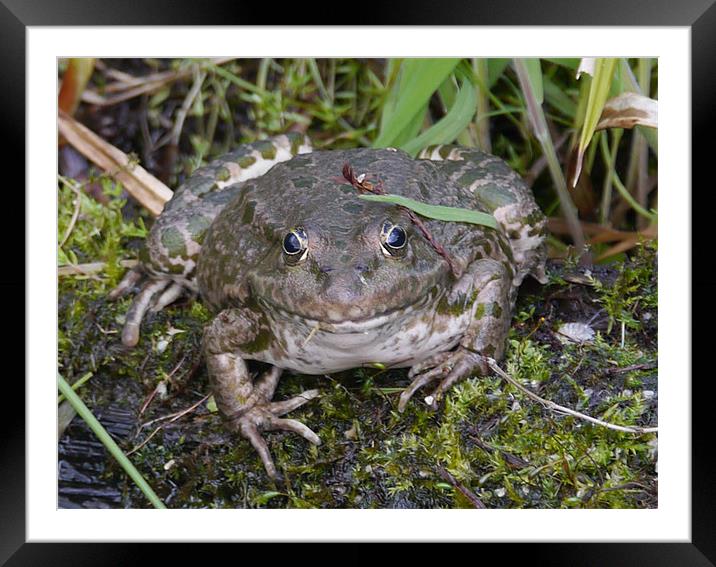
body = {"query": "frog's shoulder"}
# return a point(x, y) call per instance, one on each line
point(502, 192)
point(173, 244)
point(248, 161)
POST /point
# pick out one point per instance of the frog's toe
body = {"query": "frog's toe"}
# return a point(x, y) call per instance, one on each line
point(171, 294)
point(285, 406)
point(130, 279)
point(419, 382)
point(264, 417)
point(140, 304)
point(279, 423)
point(448, 367)
point(464, 364)
point(251, 432)
point(428, 363)
point(155, 294)
point(415, 385)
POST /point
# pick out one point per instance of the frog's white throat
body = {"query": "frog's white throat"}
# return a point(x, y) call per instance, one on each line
point(280, 317)
point(397, 338)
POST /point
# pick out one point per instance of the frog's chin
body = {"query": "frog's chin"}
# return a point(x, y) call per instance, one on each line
point(339, 322)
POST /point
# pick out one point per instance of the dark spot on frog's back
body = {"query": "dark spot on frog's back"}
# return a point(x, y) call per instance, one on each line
point(198, 185)
point(247, 161)
point(304, 182)
point(248, 215)
point(535, 231)
point(259, 344)
point(495, 196)
point(197, 226)
point(493, 309)
point(506, 250)
point(223, 174)
point(173, 240)
point(352, 207)
point(445, 151)
point(267, 150)
point(296, 141)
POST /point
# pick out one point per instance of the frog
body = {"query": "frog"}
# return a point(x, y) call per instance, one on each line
point(302, 274)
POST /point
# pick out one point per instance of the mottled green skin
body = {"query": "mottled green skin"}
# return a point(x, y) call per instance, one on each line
point(348, 302)
point(345, 276)
point(172, 248)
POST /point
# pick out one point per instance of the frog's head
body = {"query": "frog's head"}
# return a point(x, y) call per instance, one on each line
point(349, 266)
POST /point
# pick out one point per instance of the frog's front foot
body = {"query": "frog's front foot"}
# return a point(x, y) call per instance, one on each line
point(449, 367)
point(265, 416)
point(154, 294)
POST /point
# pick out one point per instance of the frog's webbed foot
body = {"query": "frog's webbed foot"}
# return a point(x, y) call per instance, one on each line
point(448, 367)
point(265, 416)
point(154, 294)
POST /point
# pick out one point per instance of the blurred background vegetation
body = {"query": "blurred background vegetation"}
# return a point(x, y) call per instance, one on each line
point(581, 131)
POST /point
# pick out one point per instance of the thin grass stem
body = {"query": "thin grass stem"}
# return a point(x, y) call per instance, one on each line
point(107, 441)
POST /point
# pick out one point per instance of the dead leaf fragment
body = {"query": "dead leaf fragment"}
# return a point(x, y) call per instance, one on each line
point(586, 65)
point(628, 110)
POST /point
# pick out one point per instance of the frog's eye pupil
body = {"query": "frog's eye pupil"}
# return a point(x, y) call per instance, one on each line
point(393, 239)
point(295, 244)
point(396, 237)
point(291, 244)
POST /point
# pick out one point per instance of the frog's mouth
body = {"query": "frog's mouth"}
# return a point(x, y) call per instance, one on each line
point(339, 323)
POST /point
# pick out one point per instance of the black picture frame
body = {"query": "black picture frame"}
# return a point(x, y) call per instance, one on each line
point(699, 15)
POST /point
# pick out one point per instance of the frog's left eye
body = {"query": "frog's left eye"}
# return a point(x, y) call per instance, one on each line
point(392, 239)
point(295, 245)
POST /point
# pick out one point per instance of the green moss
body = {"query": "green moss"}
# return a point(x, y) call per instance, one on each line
point(634, 291)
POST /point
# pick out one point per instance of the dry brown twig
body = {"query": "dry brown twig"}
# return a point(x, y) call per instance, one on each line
point(142, 185)
point(90, 268)
point(492, 363)
point(171, 417)
point(126, 86)
point(466, 492)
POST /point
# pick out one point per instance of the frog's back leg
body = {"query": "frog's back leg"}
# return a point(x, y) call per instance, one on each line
point(174, 242)
point(502, 192)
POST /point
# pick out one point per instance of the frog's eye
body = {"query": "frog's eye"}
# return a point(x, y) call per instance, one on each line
point(392, 239)
point(295, 245)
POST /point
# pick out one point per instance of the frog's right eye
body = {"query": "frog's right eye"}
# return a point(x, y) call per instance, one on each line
point(295, 245)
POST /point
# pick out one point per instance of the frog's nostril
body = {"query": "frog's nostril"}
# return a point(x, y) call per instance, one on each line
point(361, 268)
point(325, 269)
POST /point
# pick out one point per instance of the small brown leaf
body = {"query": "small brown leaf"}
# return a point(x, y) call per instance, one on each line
point(628, 110)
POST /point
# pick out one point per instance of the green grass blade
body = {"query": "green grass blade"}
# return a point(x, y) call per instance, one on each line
point(541, 131)
point(481, 69)
point(449, 127)
point(76, 385)
point(598, 93)
point(630, 83)
point(495, 68)
point(418, 80)
point(558, 99)
point(411, 130)
point(534, 75)
point(437, 212)
point(84, 412)
point(448, 91)
point(393, 77)
point(570, 63)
